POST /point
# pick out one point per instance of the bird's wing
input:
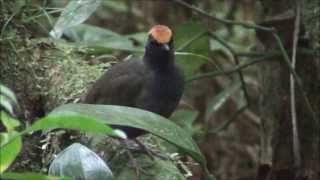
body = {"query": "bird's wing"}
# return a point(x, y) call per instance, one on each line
point(120, 85)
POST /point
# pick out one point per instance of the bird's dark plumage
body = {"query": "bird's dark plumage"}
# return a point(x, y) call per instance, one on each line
point(154, 83)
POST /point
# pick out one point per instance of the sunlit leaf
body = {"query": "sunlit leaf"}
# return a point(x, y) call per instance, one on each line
point(219, 100)
point(10, 150)
point(74, 121)
point(9, 122)
point(30, 176)
point(5, 103)
point(7, 92)
point(76, 12)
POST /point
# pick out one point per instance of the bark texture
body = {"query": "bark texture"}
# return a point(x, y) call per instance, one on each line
point(275, 103)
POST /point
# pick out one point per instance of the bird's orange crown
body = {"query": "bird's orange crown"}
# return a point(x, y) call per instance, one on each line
point(161, 33)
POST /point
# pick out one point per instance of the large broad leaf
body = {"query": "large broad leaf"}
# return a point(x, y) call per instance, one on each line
point(76, 12)
point(11, 142)
point(133, 117)
point(199, 46)
point(88, 33)
point(9, 152)
point(29, 176)
point(72, 121)
point(96, 38)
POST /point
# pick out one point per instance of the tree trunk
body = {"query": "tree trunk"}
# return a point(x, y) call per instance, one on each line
point(275, 105)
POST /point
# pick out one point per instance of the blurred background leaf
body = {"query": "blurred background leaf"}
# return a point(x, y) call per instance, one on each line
point(74, 13)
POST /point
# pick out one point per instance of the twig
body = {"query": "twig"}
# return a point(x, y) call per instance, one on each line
point(257, 27)
point(295, 133)
point(196, 37)
point(230, 71)
point(229, 121)
point(236, 60)
point(275, 52)
point(224, 21)
point(294, 74)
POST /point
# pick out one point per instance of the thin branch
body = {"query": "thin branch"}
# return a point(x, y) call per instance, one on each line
point(226, 123)
point(196, 37)
point(294, 74)
point(230, 71)
point(224, 21)
point(275, 52)
point(295, 132)
point(236, 60)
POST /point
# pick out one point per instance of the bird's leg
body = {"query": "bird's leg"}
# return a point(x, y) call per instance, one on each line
point(150, 152)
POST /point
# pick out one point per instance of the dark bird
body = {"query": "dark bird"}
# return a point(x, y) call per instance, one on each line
point(154, 83)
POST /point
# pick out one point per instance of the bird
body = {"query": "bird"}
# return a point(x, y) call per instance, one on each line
point(154, 83)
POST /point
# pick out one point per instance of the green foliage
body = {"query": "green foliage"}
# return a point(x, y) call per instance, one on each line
point(9, 122)
point(73, 14)
point(133, 117)
point(11, 143)
point(94, 37)
point(156, 169)
point(30, 176)
point(197, 47)
point(185, 118)
point(216, 102)
point(60, 72)
point(10, 147)
point(7, 92)
point(5, 103)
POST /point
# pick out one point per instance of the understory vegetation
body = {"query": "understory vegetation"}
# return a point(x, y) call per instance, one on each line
point(250, 109)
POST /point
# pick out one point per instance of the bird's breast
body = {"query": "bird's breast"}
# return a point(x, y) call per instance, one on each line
point(162, 93)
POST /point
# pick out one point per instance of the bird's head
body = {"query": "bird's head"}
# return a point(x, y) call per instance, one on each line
point(160, 39)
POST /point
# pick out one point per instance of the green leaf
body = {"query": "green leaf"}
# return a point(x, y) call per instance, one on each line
point(133, 117)
point(185, 118)
point(9, 122)
point(71, 120)
point(11, 143)
point(199, 46)
point(5, 103)
point(140, 37)
point(116, 5)
point(30, 176)
point(7, 92)
point(98, 38)
point(160, 170)
point(218, 101)
point(10, 150)
point(88, 33)
point(75, 13)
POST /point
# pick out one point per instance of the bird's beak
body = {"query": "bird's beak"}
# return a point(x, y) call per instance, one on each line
point(166, 47)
